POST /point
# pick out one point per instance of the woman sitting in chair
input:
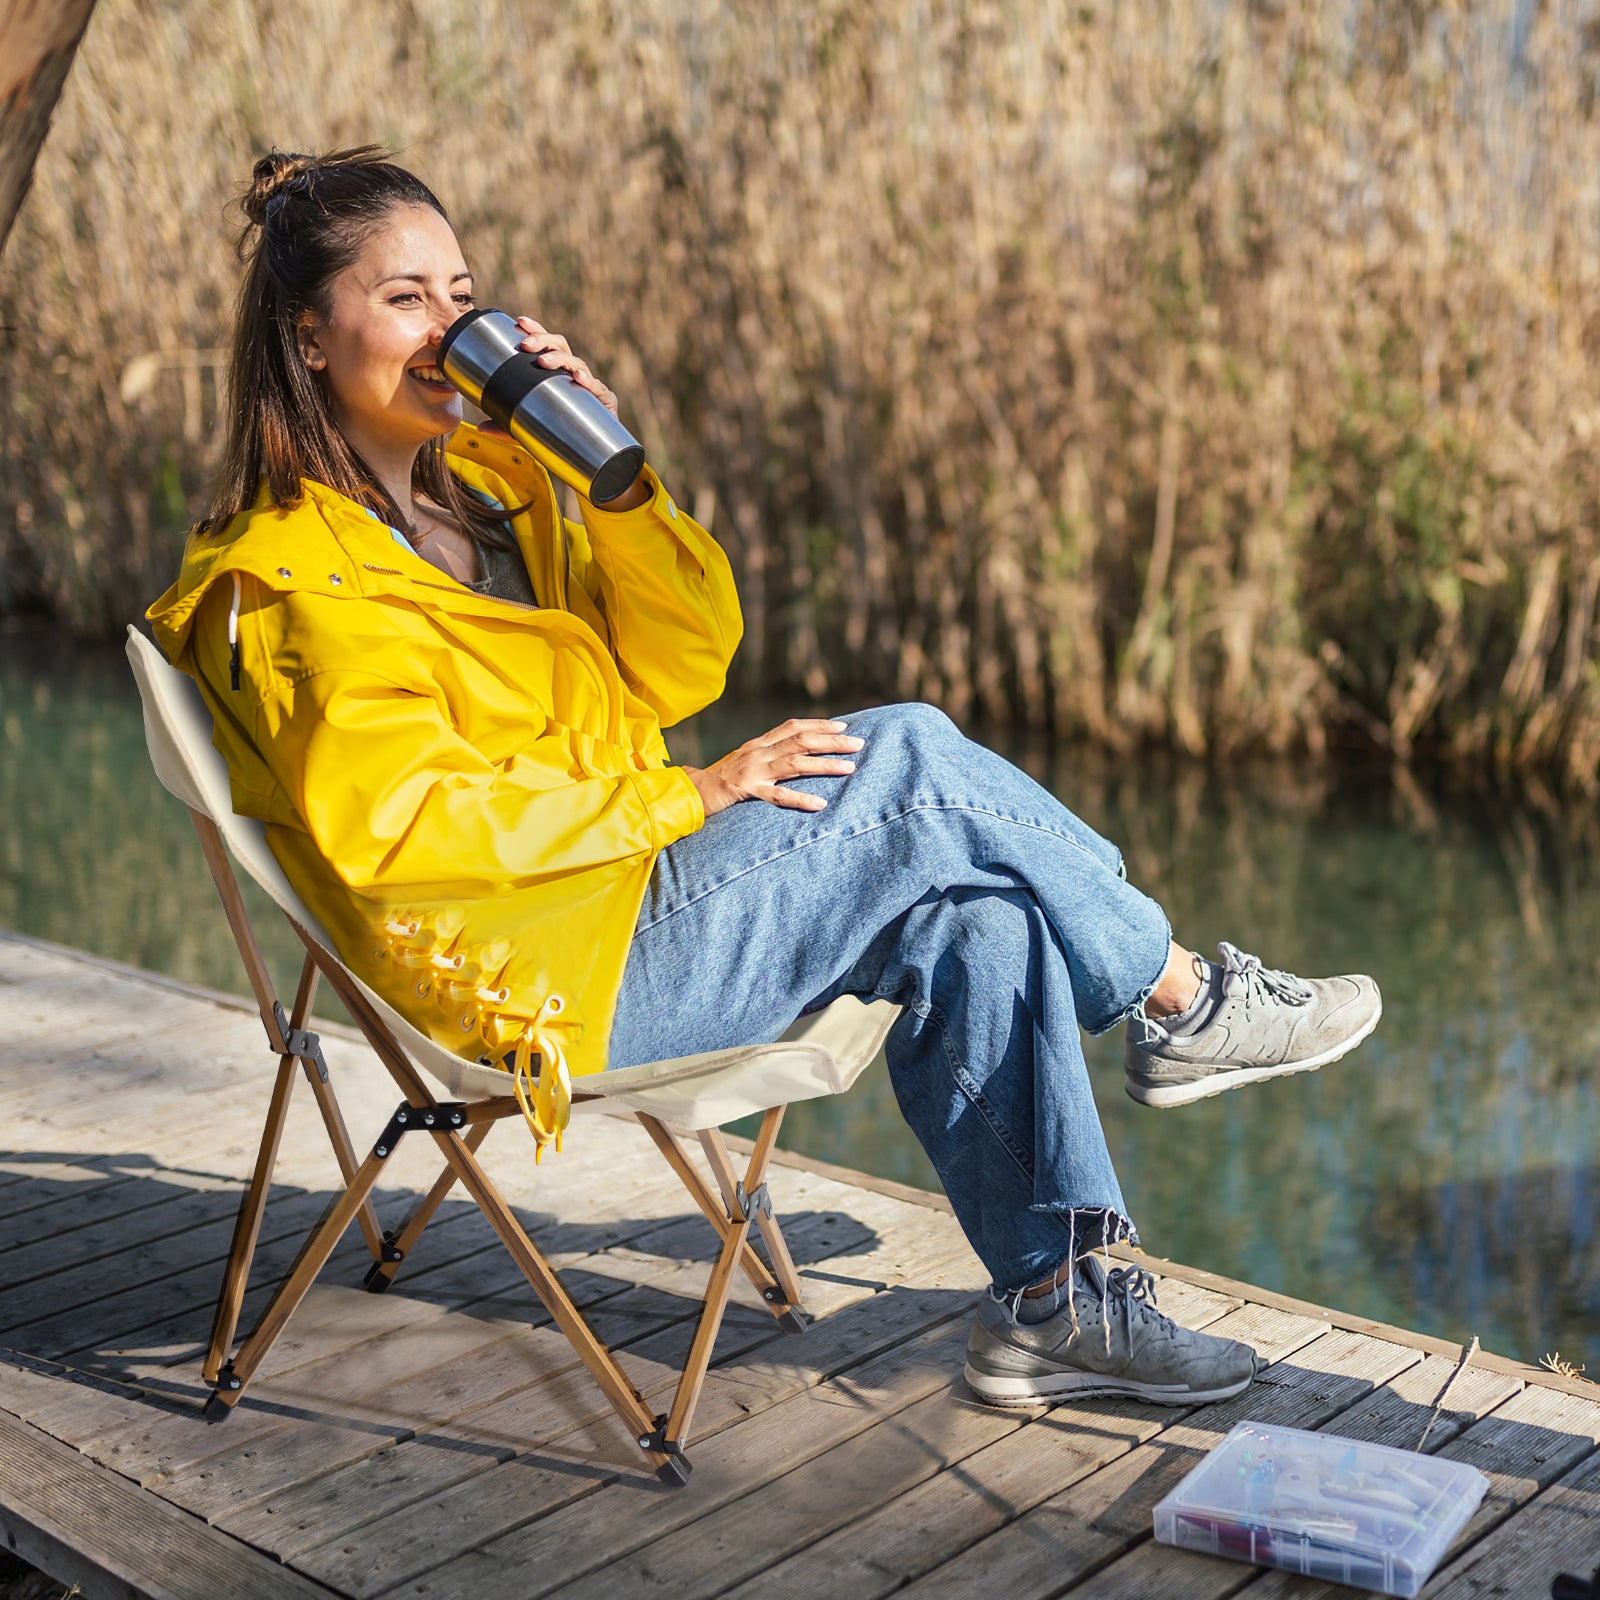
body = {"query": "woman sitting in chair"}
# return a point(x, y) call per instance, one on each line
point(445, 702)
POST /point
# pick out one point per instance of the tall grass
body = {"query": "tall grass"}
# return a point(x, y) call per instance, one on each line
point(1153, 371)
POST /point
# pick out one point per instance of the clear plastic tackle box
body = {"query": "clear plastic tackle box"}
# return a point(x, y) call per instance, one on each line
point(1360, 1514)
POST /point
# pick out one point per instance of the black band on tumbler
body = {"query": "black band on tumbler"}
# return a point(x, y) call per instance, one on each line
point(512, 382)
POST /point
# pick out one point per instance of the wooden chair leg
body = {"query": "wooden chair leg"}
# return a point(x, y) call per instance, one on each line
point(788, 1281)
point(252, 1204)
point(316, 1071)
point(314, 1253)
point(398, 1245)
point(261, 985)
point(339, 1137)
point(676, 1431)
point(247, 1225)
point(785, 1306)
point(646, 1428)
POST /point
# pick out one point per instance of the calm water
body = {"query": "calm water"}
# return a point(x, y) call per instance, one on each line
point(1445, 1177)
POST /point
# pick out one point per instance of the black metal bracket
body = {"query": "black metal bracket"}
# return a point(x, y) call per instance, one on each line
point(419, 1119)
point(300, 1041)
point(675, 1470)
point(757, 1201)
point(378, 1278)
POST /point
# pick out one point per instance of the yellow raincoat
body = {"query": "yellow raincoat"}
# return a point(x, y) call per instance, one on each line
point(469, 794)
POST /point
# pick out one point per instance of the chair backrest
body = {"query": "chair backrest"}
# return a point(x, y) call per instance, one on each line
point(177, 729)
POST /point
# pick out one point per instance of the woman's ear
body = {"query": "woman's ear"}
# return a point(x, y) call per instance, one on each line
point(311, 352)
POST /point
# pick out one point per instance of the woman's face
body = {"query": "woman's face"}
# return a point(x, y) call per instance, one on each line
point(378, 348)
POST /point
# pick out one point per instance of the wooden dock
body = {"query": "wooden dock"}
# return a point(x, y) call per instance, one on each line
point(437, 1442)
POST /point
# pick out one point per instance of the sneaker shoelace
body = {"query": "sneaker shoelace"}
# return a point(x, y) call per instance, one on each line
point(1135, 1290)
point(1262, 984)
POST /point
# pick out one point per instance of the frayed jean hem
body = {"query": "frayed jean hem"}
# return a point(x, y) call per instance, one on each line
point(1092, 1230)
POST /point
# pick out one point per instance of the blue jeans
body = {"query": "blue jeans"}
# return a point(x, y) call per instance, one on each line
point(944, 879)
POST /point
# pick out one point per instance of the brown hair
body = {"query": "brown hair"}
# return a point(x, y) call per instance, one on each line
point(306, 218)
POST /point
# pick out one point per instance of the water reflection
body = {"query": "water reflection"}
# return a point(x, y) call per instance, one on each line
point(1443, 1178)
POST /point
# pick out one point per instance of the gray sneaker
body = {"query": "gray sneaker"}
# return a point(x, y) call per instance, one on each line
point(1264, 1024)
point(1108, 1338)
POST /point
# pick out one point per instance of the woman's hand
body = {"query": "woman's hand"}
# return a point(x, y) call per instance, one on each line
point(554, 352)
point(758, 770)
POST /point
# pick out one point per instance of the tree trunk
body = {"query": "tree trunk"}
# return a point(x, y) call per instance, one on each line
point(38, 39)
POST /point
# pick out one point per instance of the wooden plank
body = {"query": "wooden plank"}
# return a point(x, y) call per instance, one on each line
point(1559, 1531)
point(147, 1326)
point(1580, 1388)
point(146, 1346)
point(732, 1465)
point(30, 1387)
point(937, 1520)
point(794, 1161)
point(184, 1123)
point(540, 1414)
point(460, 1263)
point(861, 1492)
point(91, 1202)
point(835, 1489)
point(1048, 1549)
point(88, 1188)
point(414, 1540)
point(331, 1340)
point(1395, 1413)
point(78, 1307)
point(81, 1237)
point(135, 1043)
point(73, 1519)
point(1524, 1446)
point(510, 1413)
point(389, 1389)
point(23, 953)
point(538, 1370)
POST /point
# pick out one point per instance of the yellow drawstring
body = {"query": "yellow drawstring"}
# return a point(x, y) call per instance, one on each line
point(546, 1101)
point(429, 944)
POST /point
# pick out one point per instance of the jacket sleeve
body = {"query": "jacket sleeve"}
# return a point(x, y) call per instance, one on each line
point(668, 595)
point(399, 803)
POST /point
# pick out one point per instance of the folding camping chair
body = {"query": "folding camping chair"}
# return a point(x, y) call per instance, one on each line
point(821, 1054)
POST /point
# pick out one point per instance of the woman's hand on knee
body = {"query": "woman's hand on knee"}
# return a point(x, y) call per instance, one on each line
point(801, 748)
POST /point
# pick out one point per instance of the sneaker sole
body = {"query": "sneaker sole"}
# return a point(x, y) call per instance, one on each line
point(1020, 1392)
point(1161, 1096)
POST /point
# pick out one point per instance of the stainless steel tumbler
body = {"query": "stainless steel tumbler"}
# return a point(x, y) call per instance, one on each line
point(555, 419)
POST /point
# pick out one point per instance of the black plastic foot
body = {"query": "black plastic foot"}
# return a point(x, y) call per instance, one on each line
point(794, 1320)
point(674, 1471)
point(376, 1279)
point(217, 1409)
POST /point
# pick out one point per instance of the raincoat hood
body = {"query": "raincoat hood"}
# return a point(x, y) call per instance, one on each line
point(468, 793)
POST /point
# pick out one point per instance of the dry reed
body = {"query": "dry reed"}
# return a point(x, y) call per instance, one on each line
point(1210, 375)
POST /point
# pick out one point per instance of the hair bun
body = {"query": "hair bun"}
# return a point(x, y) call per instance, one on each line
point(270, 176)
